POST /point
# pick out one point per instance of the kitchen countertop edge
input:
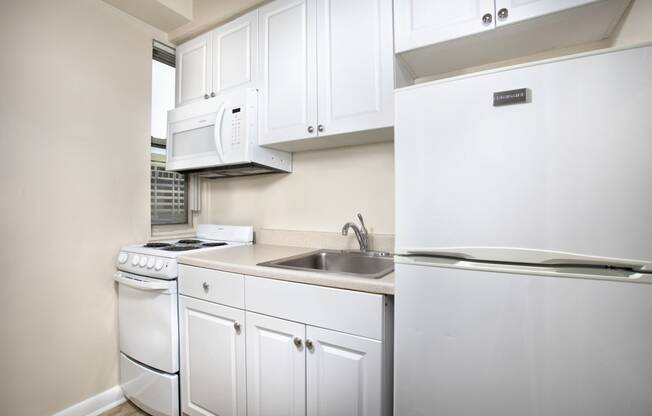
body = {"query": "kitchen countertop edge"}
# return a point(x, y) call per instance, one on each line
point(244, 260)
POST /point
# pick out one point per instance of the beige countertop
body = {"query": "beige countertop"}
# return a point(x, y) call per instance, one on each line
point(244, 260)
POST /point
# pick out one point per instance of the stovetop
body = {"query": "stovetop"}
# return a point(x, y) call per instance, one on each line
point(184, 244)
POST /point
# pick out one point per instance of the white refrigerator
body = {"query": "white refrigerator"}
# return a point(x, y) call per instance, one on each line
point(524, 240)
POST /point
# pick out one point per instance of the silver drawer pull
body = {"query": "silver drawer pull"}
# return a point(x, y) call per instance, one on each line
point(236, 326)
point(205, 286)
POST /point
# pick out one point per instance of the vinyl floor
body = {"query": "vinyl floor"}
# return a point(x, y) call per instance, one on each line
point(125, 409)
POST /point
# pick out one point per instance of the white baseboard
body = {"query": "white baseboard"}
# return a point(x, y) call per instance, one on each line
point(95, 405)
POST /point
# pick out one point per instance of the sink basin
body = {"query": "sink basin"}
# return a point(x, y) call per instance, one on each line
point(371, 265)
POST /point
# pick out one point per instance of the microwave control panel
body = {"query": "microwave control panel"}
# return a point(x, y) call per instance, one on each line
point(236, 127)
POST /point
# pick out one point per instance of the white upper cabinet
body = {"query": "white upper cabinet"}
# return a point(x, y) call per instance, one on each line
point(193, 70)
point(512, 11)
point(327, 69)
point(343, 374)
point(423, 22)
point(212, 348)
point(288, 95)
point(435, 37)
point(218, 61)
point(235, 54)
point(355, 75)
point(276, 367)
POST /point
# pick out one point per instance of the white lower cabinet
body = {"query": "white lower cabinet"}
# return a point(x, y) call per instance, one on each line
point(212, 359)
point(276, 367)
point(343, 374)
point(309, 350)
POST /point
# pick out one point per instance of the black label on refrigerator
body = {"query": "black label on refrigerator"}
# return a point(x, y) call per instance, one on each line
point(518, 96)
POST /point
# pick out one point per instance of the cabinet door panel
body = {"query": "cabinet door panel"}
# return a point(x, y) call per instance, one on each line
point(354, 65)
point(275, 367)
point(235, 54)
point(344, 374)
point(518, 10)
point(424, 22)
point(288, 96)
point(193, 70)
point(212, 359)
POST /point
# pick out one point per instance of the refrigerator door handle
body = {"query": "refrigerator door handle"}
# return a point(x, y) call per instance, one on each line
point(527, 256)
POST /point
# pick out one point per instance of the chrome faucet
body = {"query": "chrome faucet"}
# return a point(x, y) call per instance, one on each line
point(361, 233)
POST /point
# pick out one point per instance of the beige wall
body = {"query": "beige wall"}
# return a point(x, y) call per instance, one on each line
point(326, 189)
point(74, 110)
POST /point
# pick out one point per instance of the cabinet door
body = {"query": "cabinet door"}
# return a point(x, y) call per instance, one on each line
point(424, 22)
point(517, 10)
point(355, 59)
point(288, 94)
point(235, 54)
point(193, 70)
point(344, 374)
point(276, 367)
point(212, 359)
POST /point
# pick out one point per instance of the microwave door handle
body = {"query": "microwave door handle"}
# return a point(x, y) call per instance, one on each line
point(218, 132)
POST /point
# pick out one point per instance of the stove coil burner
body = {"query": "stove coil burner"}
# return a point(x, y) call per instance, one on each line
point(157, 245)
point(213, 244)
point(181, 248)
point(189, 241)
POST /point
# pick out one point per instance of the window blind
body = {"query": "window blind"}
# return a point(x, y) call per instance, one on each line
point(163, 53)
point(168, 192)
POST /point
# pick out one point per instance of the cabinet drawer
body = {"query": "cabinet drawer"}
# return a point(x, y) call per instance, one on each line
point(212, 285)
point(347, 311)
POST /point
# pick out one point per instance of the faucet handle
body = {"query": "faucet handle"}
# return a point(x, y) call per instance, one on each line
point(361, 220)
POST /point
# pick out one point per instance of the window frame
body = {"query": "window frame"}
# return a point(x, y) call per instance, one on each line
point(166, 54)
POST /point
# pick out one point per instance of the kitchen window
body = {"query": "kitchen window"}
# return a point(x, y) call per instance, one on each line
point(168, 190)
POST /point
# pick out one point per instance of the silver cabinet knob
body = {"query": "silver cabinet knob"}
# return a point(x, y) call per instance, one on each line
point(205, 286)
point(320, 128)
point(309, 344)
point(212, 94)
point(487, 18)
point(236, 326)
point(297, 342)
point(503, 13)
point(311, 129)
point(206, 96)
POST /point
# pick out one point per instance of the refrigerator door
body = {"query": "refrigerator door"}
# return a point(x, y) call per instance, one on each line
point(563, 177)
point(471, 343)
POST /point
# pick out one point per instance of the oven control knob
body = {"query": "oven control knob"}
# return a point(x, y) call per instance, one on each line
point(122, 258)
point(159, 264)
point(135, 259)
point(150, 262)
point(143, 261)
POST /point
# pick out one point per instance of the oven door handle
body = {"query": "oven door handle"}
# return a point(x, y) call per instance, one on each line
point(140, 284)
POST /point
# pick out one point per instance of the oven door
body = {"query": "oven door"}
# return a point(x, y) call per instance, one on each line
point(148, 320)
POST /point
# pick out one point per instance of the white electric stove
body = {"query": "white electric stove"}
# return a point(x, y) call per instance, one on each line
point(148, 313)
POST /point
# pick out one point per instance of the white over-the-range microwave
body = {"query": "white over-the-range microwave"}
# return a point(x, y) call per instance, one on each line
point(218, 137)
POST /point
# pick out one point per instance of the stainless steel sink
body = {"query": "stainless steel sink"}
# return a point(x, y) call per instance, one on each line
point(371, 265)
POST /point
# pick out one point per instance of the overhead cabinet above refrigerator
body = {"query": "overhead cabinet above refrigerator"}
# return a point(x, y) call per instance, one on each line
point(438, 37)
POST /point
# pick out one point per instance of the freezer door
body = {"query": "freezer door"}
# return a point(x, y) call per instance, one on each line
point(566, 173)
point(471, 343)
